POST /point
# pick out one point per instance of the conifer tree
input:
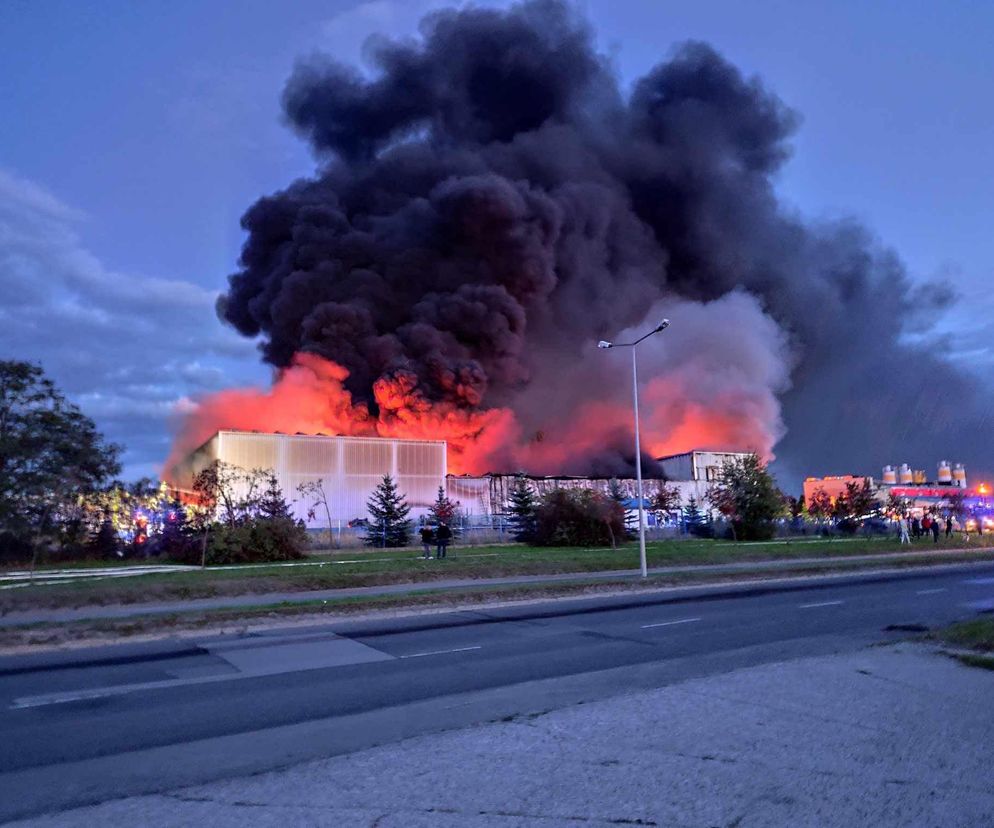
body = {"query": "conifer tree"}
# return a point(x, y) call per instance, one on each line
point(388, 510)
point(615, 492)
point(442, 510)
point(522, 510)
point(272, 504)
point(692, 517)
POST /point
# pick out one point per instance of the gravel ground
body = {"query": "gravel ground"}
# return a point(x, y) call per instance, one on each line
point(890, 736)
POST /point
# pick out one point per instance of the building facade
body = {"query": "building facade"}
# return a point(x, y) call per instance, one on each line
point(349, 468)
point(699, 465)
point(834, 486)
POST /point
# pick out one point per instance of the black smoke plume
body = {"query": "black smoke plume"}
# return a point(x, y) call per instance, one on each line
point(489, 204)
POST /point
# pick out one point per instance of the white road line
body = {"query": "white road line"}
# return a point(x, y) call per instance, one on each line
point(931, 591)
point(670, 623)
point(821, 604)
point(441, 652)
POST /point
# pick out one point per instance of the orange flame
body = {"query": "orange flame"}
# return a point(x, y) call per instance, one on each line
point(310, 397)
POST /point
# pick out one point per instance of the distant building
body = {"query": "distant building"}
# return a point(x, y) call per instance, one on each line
point(911, 485)
point(698, 465)
point(834, 487)
point(691, 474)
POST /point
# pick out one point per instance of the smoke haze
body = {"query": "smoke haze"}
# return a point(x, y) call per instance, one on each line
point(489, 203)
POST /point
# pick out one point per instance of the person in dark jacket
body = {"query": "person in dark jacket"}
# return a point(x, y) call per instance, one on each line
point(916, 528)
point(935, 529)
point(427, 538)
point(442, 537)
point(949, 525)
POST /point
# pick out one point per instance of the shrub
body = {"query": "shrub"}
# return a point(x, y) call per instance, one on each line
point(578, 517)
point(14, 547)
point(256, 541)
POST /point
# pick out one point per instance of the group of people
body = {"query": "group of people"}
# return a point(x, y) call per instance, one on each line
point(439, 536)
point(928, 524)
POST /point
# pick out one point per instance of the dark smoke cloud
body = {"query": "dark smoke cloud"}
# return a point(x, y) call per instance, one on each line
point(489, 200)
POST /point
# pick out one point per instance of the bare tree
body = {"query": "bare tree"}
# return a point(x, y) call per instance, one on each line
point(313, 491)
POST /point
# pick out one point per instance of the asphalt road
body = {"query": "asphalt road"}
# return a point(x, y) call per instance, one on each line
point(90, 725)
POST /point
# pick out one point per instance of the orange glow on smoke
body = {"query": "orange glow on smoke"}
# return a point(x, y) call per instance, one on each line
point(310, 397)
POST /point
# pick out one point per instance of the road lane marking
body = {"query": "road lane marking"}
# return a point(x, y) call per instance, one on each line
point(670, 623)
point(441, 652)
point(931, 591)
point(821, 604)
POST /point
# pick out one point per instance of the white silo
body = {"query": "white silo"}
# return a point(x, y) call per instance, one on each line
point(905, 475)
point(890, 476)
point(959, 476)
point(945, 473)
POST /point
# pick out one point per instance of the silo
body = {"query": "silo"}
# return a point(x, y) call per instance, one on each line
point(919, 477)
point(905, 475)
point(959, 476)
point(890, 476)
point(945, 473)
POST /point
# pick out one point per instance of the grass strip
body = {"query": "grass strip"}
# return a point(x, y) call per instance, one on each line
point(403, 566)
point(977, 634)
point(42, 635)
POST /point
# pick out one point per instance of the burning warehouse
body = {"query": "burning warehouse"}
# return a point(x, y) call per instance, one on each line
point(348, 467)
point(351, 467)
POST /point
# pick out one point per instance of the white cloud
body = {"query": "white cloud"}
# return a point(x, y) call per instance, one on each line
point(128, 348)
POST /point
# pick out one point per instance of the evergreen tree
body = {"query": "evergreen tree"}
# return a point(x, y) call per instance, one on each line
point(615, 492)
point(522, 510)
point(692, 517)
point(388, 510)
point(442, 510)
point(272, 504)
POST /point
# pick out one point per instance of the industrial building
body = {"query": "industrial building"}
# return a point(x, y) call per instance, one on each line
point(834, 486)
point(911, 485)
point(349, 467)
point(691, 474)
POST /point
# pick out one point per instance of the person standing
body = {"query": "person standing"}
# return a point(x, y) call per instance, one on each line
point(903, 526)
point(427, 538)
point(935, 529)
point(442, 537)
point(949, 525)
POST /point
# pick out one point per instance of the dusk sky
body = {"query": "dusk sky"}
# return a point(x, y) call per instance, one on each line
point(134, 136)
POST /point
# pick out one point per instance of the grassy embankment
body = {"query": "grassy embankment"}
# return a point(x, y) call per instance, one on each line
point(377, 567)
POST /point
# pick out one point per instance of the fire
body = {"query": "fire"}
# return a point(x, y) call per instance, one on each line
point(310, 397)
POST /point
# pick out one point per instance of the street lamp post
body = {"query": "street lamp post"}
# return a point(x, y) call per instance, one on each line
point(638, 447)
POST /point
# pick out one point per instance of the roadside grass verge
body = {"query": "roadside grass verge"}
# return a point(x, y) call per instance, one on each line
point(972, 642)
point(48, 635)
point(394, 566)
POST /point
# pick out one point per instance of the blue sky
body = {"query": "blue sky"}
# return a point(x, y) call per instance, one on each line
point(133, 136)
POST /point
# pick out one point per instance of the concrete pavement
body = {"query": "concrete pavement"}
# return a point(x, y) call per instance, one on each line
point(885, 736)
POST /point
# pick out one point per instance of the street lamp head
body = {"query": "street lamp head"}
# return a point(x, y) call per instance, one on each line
point(662, 325)
point(605, 344)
